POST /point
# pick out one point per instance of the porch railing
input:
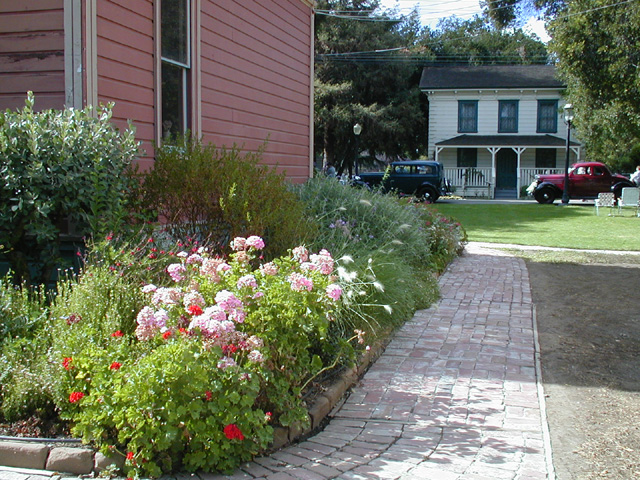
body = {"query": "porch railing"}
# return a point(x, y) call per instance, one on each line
point(527, 175)
point(466, 178)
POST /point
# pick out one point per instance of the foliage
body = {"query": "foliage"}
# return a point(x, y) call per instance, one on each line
point(505, 13)
point(596, 43)
point(59, 166)
point(391, 243)
point(162, 371)
point(383, 96)
point(22, 309)
point(476, 42)
point(213, 194)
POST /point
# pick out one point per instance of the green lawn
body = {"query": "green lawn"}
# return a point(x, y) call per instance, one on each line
point(547, 225)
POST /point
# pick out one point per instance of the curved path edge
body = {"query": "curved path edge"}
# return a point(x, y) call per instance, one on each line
point(456, 395)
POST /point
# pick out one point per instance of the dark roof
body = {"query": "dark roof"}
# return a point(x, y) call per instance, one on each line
point(549, 141)
point(460, 77)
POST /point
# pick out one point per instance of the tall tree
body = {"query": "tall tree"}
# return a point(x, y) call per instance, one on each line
point(505, 13)
point(477, 42)
point(354, 85)
point(597, 44)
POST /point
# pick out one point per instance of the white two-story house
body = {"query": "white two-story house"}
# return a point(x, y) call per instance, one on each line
point(494, 127)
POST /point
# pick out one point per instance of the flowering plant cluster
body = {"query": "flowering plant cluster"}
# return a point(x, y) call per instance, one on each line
point(218, 353)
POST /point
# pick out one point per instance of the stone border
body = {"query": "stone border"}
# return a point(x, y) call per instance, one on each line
point(45, 455)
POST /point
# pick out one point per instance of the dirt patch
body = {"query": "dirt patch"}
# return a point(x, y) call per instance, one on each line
point(589, 328)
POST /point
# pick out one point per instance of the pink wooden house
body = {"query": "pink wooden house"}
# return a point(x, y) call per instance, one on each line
point(234, 71)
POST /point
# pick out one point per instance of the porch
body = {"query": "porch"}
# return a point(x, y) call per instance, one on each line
point(480, 181)
point(509, 162)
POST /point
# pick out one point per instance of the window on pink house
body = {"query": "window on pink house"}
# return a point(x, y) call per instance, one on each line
point(176, 65)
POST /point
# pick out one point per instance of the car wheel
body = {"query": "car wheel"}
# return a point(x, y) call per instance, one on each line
point(544, 195)
point(428, 195)
point(617, 191)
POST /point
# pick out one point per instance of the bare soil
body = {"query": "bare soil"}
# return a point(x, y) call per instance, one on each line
point(589, 330)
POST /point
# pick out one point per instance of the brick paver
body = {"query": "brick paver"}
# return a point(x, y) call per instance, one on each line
point(453, 397)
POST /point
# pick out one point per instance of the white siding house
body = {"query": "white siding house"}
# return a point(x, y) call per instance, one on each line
point(494, 127)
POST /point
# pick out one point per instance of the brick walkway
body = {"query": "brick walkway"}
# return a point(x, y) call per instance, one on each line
point(453, 397)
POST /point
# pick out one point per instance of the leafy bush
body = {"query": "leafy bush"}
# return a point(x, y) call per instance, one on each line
point(23, 344)
point(215, 194)
point(58, 166)
point(196, 370)
point(396, 245)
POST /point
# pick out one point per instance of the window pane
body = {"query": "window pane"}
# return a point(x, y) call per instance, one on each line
point(545, 158)
point(173, 92)
point(508, 121)
point(174, 24)
point(468, 116)
point(548, 116)
point(467, 157)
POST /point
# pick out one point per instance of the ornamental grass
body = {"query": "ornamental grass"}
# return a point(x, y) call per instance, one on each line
point(178, 356)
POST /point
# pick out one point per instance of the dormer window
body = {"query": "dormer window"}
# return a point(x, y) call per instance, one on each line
point(508, 116)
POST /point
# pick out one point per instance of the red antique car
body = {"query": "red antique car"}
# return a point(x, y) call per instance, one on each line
point(586, 181)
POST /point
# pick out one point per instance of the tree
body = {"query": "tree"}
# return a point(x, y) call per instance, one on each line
point(597, 44)
point(379, 92)
point(505, 13)
point(477, 42)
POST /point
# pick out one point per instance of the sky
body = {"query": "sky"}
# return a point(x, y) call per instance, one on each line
point(433, 10)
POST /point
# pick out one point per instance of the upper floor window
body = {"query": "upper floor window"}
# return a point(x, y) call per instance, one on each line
point(547, 116)
point(176, 64)
point(468, 116)
point(508, 116)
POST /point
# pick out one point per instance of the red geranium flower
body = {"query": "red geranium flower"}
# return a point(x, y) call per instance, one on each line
point(232, 432)
point(194, 310)
point(75, 397)
point(117, 333)
point(66, 363)
point(166, 334)
point(115, 366)
point(208, 395)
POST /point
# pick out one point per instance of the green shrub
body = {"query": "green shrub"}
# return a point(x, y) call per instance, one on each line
point(357, 221)
point(22, 309)
point(396, 247)
point(23, 345)
point(170, 375)
point(215, 194)
point(58, 166)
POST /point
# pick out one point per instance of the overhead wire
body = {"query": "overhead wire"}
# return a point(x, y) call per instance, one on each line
point(376, 57)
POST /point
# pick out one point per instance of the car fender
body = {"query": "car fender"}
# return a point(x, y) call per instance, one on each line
point(549, 184)
point(617, 187)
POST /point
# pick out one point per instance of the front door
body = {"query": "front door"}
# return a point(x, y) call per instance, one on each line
point(506, 169)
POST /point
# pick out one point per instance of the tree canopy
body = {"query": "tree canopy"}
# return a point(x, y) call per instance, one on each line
point(597, 45)
point(377, 92)
point(368, 69)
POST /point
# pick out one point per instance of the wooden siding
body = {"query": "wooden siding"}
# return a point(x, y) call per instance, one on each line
point(32, 53)
point(125, 48)
point(443, 113)
point(256, 75)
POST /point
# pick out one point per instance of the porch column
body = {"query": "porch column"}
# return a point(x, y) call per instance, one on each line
point(438, 150)
point(519, 151)
point(493, 151)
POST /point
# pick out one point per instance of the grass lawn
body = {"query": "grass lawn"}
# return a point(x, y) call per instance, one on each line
point(575, 226)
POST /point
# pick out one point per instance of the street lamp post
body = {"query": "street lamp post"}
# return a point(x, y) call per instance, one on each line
point(357, 130)
point(568, 118)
